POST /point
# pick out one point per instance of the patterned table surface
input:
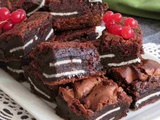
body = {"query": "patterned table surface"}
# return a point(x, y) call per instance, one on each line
point(10, 110)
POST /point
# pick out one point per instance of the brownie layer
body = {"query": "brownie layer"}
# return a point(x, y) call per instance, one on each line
point(116, 51)
point(26, 35)
point(65, 62)
point(14, 68)
point(94, 98)
point(38, 86)
point(27, 5)
point(141, 81)
point(82, 35)
point(75, 14)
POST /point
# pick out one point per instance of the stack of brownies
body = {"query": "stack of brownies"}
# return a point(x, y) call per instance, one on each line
point(57, 50)
point(16, 43)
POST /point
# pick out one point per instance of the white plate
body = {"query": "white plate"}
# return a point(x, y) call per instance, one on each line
point(43, 110)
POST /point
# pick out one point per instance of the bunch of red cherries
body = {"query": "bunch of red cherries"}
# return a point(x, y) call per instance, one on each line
point(113, 23)
point(8, 19)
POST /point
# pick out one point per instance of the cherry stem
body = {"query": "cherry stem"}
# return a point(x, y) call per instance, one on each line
point(1, 22)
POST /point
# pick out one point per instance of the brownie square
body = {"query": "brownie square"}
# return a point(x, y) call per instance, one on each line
point(61, 63)
point(141, 81)
point(116, 51)
point(93, 98)
point(75, 14)
point(20, 40)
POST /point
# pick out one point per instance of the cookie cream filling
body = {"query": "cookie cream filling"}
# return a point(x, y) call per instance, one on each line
point(65, 62)
point(38, 90)
point(41, 5)
point(69, 74)
point(108, 112)
point(15, 70)
point(124, 63)
point(95, 1)
point(147, 98)
point(99, 30)
point(64, 14)
point(49, 34)
point(107, 56)
point(26, 45)
point(112, 118)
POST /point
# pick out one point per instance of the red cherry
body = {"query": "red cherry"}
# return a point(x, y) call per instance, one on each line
point(130, 22)
point(109, 23)
point(116, 29)
point(8, 25)
point(117, 17)
point(4, 13)
point(127, 32)
point(107, 16)
point(16, 16)
point(23, 14)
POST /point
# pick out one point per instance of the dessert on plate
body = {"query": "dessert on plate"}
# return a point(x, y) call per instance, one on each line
point(140, 81)
point(95, 98)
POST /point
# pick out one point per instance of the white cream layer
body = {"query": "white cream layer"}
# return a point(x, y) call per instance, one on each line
point(26, 45)
point(38, 90)
point(99, 30)
point(107, 56)
point(69, 74)
point(49, 34)
point(108, 112)
point(95, 0)
point(58, 63)
point(124, 63)
point(112, 118)
point(64, 14)
point(36, 9)
point(146, 98)
point(15, 70)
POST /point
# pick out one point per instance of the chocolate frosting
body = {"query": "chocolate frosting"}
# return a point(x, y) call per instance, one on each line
point(84, 87)
point(101, 95)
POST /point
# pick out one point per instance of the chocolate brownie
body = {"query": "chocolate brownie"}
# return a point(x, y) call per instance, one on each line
point(14, 68)
point(141, 81)
point(116, 51)
point(92, 99)
point(82, 35)
point(27, 5)
point(75, 14)
point(20, 40)
point(60, 63)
